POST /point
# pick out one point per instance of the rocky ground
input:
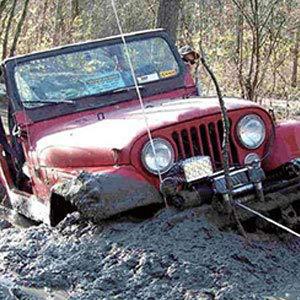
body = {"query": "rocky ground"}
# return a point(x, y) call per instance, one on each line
point(174, 255)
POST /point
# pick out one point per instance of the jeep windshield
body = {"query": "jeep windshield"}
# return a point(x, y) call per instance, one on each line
point(98, 70)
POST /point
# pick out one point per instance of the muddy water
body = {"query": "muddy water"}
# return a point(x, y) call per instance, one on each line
point(172, 256)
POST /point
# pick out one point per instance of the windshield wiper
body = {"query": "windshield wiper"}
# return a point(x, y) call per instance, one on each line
point(120, 90)
point(127, 89)
point(50, 101)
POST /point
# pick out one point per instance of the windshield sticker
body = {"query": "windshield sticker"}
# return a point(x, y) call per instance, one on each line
point(168, 73)
point(148, 78)
point(110, 81)
point(98, 69)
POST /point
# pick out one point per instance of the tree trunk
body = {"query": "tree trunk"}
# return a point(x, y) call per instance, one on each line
point(168, 16)
point(239, 51)
point(75, 9)
point(2, 6)
point(295, 59)
point(43, 22)
point(3, 22)
point(58, 23)
point(9, 22)
point(19, 28)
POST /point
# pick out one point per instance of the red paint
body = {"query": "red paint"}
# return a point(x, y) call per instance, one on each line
point(64, 146)
point(80, 141)
point(286, 146)
point(86, 143)
point(89, 142)
point(206, 117)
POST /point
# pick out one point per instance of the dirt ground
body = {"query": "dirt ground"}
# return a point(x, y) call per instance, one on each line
point(174, 255)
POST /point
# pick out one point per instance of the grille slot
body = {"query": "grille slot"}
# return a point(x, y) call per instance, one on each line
point(205, 139)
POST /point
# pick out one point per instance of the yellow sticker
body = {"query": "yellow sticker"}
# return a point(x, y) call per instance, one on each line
point(168, 73)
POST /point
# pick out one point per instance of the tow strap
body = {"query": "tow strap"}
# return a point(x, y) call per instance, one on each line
point(148, 128)
point(267, 219)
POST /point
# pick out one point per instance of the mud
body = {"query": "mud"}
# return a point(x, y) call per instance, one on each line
point(102, 196)
point(170, 256)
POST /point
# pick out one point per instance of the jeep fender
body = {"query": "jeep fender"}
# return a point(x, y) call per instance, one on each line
point(286, 145)
point(98, 196)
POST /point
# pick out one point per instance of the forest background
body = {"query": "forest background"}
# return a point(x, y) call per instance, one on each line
point(252, 45)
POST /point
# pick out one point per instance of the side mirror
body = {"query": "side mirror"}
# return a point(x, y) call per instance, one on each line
point(2, 91)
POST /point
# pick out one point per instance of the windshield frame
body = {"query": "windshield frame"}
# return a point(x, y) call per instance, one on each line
point(92, 101)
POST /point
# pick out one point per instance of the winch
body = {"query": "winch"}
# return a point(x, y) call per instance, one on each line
point(193, 183)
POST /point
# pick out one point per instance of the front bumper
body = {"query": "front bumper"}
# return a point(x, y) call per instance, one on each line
point(100, 196)
point(249, 185)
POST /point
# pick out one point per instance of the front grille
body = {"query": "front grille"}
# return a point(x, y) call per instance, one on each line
point(204, 139)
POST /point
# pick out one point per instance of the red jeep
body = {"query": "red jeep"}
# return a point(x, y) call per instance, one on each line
point(78, 138)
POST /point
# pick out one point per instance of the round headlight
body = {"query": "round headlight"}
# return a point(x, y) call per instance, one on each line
point(164, 156)
point(251, 131)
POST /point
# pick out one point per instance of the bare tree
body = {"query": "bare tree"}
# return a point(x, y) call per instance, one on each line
point(3, 22)
point(7, 30)
point(58, 22)
point(261, 18)
point(296, 58)
point(19, 28)
point(252, 44)
point(2, 6)
point(239, 55)
point(168, 16)
point(43, 20)
point(75, 9)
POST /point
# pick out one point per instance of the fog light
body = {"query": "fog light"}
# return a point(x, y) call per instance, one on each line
point(197, 167)
point(250, 158)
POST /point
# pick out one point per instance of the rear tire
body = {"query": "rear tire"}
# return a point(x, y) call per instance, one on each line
point(8, 216)
point(4, 199)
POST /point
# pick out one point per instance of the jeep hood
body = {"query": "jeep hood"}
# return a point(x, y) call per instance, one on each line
point(90, 142)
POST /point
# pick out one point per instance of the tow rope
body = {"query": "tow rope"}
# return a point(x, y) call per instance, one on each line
point(149, 131)
point(267, 219)
point(138, 91)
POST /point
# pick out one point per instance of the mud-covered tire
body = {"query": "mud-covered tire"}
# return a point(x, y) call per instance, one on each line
point(4, 199)
point(8, 216)
point(2, 192)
